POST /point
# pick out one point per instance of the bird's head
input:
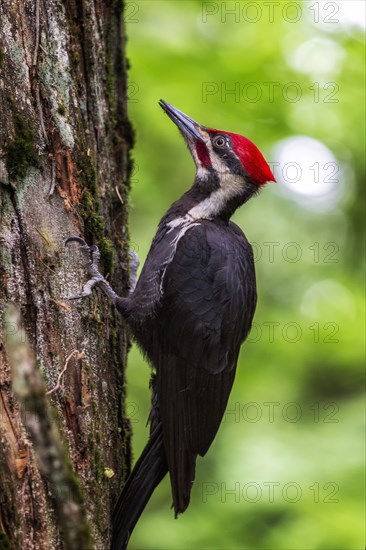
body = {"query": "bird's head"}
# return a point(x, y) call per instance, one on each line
point(230, 168)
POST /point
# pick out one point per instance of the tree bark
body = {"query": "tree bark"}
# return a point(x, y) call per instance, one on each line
point(64, 170)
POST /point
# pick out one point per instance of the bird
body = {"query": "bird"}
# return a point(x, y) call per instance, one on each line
point(190, 310)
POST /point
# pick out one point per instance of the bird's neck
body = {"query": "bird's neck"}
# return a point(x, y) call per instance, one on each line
point(212, 196)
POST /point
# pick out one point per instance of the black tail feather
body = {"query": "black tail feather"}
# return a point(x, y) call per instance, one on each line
point(149, 470)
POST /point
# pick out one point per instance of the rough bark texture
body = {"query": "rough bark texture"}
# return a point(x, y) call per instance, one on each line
point(64, 168)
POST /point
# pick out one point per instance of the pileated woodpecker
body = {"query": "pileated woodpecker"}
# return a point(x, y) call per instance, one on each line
point(190, 311)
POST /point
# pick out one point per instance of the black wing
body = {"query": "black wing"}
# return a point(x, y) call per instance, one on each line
point(209, 298)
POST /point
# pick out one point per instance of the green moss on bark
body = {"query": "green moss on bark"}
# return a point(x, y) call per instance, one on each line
point(90, 210)
point(61, 109)
point(20, 152)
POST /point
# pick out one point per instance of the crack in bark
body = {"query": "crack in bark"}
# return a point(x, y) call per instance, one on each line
point(31, 309)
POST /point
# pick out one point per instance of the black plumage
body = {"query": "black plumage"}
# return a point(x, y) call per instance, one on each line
point(209, 298)
point(191, 310)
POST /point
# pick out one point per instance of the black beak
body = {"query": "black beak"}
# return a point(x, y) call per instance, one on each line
point(186, 125)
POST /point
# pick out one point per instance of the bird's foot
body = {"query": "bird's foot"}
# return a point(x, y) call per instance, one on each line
point(92, 257)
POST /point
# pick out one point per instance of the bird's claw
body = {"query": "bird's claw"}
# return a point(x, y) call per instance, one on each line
point(89, 252)
point(76, 240)
point(92, 254)
point(87, 290)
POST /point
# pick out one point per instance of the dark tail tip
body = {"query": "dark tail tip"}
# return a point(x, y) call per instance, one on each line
point(149, 470)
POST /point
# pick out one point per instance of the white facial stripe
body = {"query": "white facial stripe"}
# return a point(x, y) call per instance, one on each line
point(218, 165)
point(202, 171)
point(230, 185)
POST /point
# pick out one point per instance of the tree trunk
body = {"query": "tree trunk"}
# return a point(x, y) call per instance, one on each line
point(64, 167)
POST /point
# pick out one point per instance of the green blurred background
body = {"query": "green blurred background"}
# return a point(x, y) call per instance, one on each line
point(286, 470)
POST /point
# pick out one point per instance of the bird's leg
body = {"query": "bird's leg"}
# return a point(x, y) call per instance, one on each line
point(92, 255)
point(134, 265)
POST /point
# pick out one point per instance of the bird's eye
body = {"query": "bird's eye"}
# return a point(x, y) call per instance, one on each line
point(219, 141)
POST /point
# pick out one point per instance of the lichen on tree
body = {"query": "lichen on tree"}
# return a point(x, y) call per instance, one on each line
point(65, 143)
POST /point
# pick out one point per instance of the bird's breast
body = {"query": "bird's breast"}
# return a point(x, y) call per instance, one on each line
point(150, 286)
